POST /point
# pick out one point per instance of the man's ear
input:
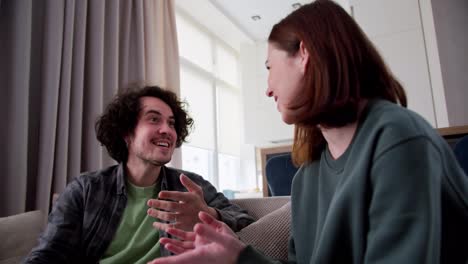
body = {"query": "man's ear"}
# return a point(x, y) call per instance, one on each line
point(303, 54)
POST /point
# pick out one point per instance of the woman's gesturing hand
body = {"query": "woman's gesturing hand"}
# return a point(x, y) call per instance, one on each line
point(211, 241)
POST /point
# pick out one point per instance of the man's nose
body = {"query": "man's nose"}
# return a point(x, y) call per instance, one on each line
point(165, 128)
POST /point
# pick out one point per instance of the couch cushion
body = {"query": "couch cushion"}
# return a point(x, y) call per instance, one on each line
point(19, 235)
point(259, 207)
point(270, 233)
point(13, 260)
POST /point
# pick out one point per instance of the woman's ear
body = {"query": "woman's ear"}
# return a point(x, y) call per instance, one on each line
point(126, 138)
point(303, 56)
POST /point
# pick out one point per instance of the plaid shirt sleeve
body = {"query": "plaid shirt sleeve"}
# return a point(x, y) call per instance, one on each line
point(60, 241)
point(234, 216)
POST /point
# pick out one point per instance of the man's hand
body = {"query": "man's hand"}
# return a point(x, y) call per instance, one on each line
point(211, 241)
point(182, 211)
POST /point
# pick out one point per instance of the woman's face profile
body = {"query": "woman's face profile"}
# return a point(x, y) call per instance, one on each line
point(285, 80)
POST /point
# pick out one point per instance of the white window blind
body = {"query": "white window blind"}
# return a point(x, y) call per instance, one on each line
point(210, 85)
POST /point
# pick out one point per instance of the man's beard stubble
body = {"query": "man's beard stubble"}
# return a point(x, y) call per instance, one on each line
point(152, 161)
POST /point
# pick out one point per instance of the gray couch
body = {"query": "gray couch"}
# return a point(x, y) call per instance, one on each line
point(268, 234)
point(19, 235)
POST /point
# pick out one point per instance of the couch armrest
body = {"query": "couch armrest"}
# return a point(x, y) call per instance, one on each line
point(19, 235)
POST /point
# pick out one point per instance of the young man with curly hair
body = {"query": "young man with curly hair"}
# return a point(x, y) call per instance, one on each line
point(118, 214)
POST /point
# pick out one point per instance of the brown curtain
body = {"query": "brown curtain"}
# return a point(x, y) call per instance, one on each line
point(61, 61)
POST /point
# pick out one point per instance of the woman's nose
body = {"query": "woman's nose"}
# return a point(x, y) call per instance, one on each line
point(269, 92)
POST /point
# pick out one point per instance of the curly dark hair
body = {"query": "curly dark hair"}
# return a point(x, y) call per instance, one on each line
point(121, 116)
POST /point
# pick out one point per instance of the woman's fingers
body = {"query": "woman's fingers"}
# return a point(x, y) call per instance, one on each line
point(214, 223)
point(209, 219)
point(176, 246)
point(181, 234)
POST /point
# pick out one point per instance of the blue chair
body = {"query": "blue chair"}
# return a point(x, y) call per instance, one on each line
point(461, 152)
point(279, 173)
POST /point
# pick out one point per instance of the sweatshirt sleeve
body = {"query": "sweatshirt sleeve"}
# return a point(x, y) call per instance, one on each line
point(405, 206)
point(252, 256)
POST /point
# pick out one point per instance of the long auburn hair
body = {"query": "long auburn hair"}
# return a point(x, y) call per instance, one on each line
point(344, 68)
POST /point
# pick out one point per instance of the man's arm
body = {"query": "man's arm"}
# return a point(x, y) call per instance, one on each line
point(234, 216)
point(60, 242)
point(180, 209)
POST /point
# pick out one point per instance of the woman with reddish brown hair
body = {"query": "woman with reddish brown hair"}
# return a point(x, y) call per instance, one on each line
point(377, 184)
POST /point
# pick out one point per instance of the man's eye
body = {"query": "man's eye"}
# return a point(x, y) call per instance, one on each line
point(267, 67)
point(172, 124)
point(153, 119)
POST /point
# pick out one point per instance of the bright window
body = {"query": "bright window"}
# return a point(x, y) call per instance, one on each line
point(198, 160)
point(210, 85)
point(194, 44)
point(197, 90)
point(227, 66)
point(229, 120)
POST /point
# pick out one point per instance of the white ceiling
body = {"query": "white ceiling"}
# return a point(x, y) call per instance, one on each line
point(240, 12)
point(213, 20)
point(231, 20)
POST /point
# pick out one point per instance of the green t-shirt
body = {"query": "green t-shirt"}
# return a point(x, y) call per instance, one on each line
point(136, 240)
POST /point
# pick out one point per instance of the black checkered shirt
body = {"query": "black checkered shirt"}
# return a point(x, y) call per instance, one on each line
point(87, 214)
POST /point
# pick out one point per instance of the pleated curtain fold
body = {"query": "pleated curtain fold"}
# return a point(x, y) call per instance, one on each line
point(61, 62)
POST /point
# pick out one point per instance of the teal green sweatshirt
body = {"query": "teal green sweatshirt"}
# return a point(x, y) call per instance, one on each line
point(397, 195)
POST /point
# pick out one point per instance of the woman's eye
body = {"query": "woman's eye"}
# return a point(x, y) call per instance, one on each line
point(267, 67)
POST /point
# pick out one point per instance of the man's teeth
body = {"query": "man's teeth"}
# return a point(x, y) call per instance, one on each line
point(163, 144)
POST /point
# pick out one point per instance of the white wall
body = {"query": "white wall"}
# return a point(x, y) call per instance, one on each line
point(407, 42)
point(263, 123)
point(395, 29)
point(401, 39)
point(425, 43)
point(433, 61)
point(451, 21)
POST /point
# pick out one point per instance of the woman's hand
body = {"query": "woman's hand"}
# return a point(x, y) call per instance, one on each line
point(184, 241)
point(211, 241)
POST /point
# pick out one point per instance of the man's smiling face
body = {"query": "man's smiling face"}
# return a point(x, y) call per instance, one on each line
point(154, 138)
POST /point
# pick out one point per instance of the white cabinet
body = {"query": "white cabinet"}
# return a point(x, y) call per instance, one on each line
point(395, 27)
point(431, 64)
point(425, 44)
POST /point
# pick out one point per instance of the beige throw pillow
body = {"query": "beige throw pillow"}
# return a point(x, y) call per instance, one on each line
point(270, 233)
